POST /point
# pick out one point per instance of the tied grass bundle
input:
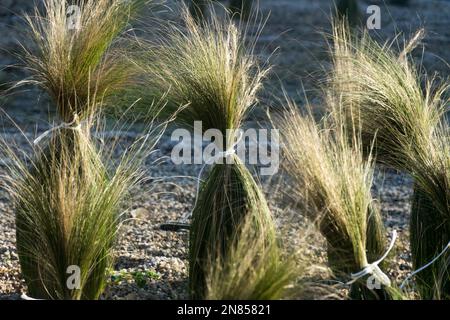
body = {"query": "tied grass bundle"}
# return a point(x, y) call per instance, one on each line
point(430, 214)
point(405, 114)
point(241, 8)
point(211, 71)
point(66, 198)
point(198, 9)
point(333, 182)
point(68, 212)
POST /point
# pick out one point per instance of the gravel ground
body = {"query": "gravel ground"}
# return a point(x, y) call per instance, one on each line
point(143, 247)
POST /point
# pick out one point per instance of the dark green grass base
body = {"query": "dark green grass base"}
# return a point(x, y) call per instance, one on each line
point(45, 249)
point(429, 236)
point(228, 197)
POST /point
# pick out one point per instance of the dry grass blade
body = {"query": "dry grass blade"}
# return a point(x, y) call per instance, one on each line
point(80, 57)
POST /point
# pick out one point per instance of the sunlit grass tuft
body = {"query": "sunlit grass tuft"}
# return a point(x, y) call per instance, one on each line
point(332, 184)
point(211, 70)
point(78, 61)
point(405, 113)
point(68, 191)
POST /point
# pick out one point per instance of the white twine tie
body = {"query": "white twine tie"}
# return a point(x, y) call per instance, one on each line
point(220, 155)
point(25, 297)
point(425, 266)
point(374, 269)
point(64, 125)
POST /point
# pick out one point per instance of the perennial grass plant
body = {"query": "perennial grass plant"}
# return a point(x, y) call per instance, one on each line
point(404, 111)
point(211, 70)
point(332, 186)
point(67, 194)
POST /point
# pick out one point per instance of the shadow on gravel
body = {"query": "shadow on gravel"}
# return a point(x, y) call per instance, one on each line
point(12, 296)
point(127, 262)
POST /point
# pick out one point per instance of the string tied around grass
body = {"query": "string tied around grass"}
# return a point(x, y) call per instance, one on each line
point(424, 266)
point(220, 155)
point(373, 268)
point(183, 221)
point(75, 125)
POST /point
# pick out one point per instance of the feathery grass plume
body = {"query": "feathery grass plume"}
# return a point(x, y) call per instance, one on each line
point(252, 267)
point(76, 51)
point(66, 198)
point(68, 213)
point(220, 75)
point(332, 182)
point(212, 70)
point(382, 90)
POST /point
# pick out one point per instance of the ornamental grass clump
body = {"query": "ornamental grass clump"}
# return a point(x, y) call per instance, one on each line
point(68, 204)
point(241, 8)
point(404, 112)
point(80, 57)
point(66, 196)
point(211, 70)
point(332, 183)
point(198, 9)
